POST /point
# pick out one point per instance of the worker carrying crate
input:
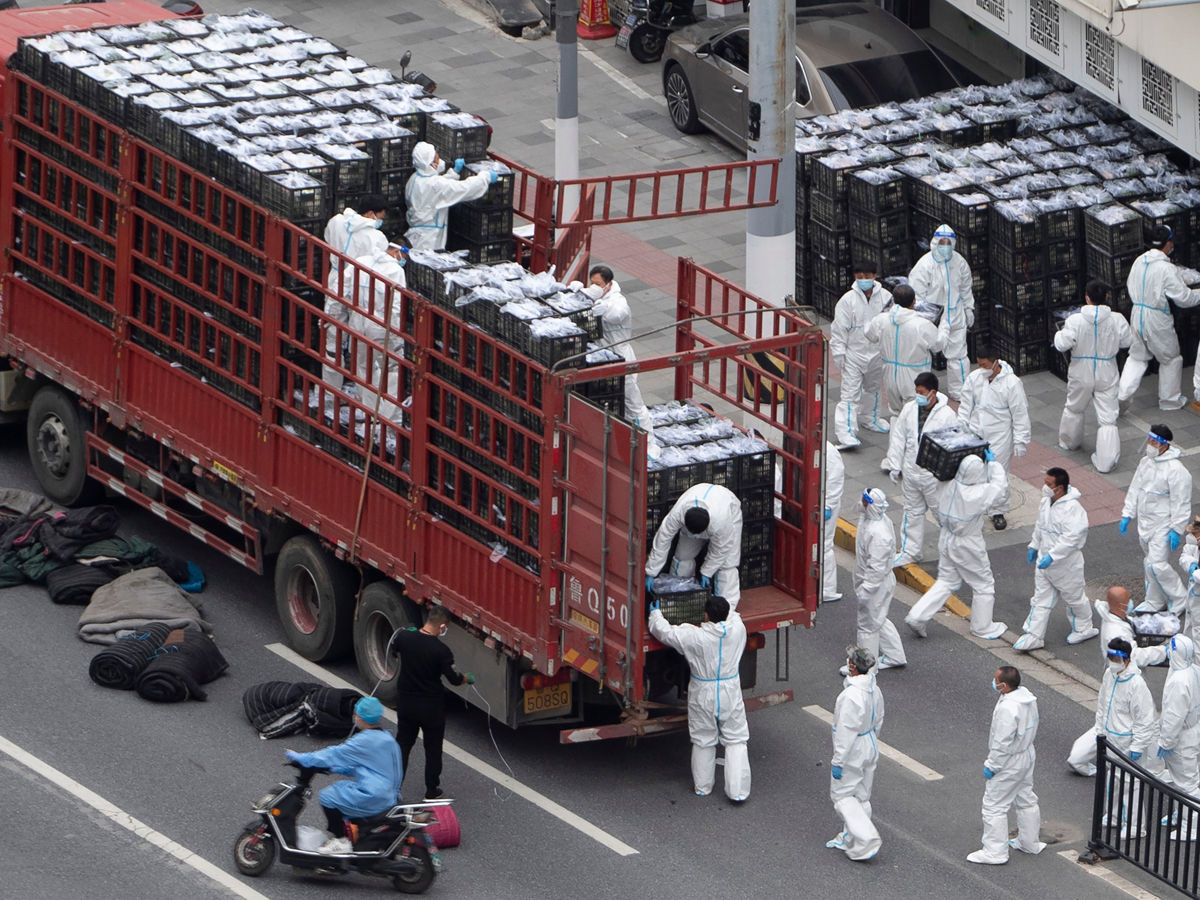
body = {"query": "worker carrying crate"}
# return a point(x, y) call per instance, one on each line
point(943, 449)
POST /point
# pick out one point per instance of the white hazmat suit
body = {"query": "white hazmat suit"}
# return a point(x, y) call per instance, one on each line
point(1154, 284)
point(1125, 713)
point(617, 322)
point(723, 537)
point(355, 236)
point(906, 344)
point(920, 486)
point(1189, 557)
point(994, 407)
point(430, 194)
point(835, 481)
point(860, 363)
point(716, 712)
point(1010, 759)
point(943, 277)
point(857, 720)
point(1160, 498)
point(1093, 336)
point(875, 582)
point(1179, 725)
point(368, 360)
point(962, 553)
point(1060, 533)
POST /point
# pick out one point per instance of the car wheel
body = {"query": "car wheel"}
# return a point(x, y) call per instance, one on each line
point(681, 105)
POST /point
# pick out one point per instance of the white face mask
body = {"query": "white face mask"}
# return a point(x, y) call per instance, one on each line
point(1151, 451)
point(1047, 491)
point(1116, 665)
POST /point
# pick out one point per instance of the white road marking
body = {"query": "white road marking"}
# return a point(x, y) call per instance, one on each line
point(125, 820)
point(474, 762)
point(919, 769)
point(621, 79)
point(1109, 876)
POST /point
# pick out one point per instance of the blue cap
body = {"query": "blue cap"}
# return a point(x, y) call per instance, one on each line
point(369, 709)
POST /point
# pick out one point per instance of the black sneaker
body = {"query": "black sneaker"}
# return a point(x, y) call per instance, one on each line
point(435, 794)
point(999, 523)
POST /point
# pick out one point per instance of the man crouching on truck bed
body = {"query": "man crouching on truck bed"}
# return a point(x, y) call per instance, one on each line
point(713, 651)
point(711, 517)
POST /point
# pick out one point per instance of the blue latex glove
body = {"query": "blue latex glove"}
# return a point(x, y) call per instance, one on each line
point(988, 773)
point(1192, 568)
point(828, 514)
point(836, 772)
point(989, 455)
point(650, 585)
point(1174, 539)
point(292, 755)
point(1135, 755)
point(1045, 561)
point(458, 165)
point(1030, 555)
point(1123, 527)
point(470, 678)
point(705, 581)
point(653, 605)
point(493, 177)
point(1163, 752)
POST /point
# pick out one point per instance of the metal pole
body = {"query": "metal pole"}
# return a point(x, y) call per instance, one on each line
point(771, 230)
point(566, 118)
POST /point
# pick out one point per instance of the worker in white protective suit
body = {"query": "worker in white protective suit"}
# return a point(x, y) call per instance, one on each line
point(994, 407)
point(354, 235)
point(857, 720)
point(1189, 561)
point(943, 277)
point(705, 516)
point(1154, 284)
point(370, 318)
point(906, 342)
point(1093, 336)
point(1179, 728)
point(716, 712)
point(857, 358)
point(1056, 550)
point(1008, 772)
point(927, 411)
point(430, 193)
point(875, 582)
point(1160, 498)
point(617, 323)
point(962, 554)
point(835, 482)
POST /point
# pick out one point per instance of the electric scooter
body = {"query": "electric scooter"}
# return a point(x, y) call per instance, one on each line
point(420, 78)
point(391, 845)
point(648, 24)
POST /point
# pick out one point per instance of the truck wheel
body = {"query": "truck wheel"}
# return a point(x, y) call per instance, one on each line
point(383, 608)
point(314, 598)
point(55, 433)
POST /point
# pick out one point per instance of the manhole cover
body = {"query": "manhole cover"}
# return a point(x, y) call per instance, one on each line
point(1135, 584)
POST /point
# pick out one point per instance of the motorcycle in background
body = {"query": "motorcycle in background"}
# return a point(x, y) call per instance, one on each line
point(648, 24)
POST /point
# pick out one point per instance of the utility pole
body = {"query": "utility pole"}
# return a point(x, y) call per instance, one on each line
point(566, 117)
point(771, 231)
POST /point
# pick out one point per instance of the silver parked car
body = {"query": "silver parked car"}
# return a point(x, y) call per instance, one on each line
point(847, 55)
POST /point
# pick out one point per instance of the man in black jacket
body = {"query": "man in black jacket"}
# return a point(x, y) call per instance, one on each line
point(420, 701)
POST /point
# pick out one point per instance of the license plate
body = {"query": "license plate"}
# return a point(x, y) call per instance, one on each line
point(626, 31)
point(545, 699)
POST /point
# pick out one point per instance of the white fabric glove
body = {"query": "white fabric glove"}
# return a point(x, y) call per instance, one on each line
point(895, 476)
point(1018, 450)
point(971, 317)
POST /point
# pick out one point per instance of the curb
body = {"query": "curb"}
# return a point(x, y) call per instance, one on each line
point(911, 575)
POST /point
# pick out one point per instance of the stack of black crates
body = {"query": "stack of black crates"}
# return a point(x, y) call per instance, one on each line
point(879, 220)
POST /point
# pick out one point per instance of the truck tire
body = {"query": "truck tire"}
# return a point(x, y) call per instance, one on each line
point(383, 608)
point(55, 435)
point(314, 598)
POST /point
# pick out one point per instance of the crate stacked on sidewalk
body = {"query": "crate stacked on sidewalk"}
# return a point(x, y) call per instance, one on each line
point(699, 447)
point(878, 208)
point(829, 228)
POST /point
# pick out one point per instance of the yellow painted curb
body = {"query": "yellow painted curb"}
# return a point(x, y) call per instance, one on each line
point(911, 575)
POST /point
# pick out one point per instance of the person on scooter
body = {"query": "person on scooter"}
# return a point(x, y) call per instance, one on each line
point(373, 761)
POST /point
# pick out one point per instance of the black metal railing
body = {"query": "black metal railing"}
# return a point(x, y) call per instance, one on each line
point(1144, 820)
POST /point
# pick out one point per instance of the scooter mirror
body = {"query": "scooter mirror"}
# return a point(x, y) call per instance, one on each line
point(405, 59)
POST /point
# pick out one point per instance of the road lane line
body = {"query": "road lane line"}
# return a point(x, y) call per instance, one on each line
point(1108, 876)
point(919, 769)
point(474, 762)
point(621, 79)
point(125, 820)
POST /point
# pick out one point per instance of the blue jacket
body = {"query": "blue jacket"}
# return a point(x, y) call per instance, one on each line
point(372, 759)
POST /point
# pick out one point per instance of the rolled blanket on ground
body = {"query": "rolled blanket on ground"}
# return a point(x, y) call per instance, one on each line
point(186, 660)
point(133, 601)
point(332, 710)
point(74, 584)
point(119, 666)
point(62, 534)
point(278, 708)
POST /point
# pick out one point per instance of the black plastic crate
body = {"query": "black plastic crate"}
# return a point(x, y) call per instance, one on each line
point(1011, 233)
point(685, 607)
point(655, 513)
point(1063, 256)
point(966, 217)
point(828, 242)
point(499, 192)
point(550, 350)
point(395, 152)
point(350, 176)
point(469, 143)
point(831, 176)
point(1024, 358)
point(722, 471)
point(943, 462)
point(976, 339)
point(485, 252)
point(869, 196)
point(829, 273)
point(666, 485)
point(392, 183)
point(1021, 326)
point(973, 248)
point(1017, 293)
point(481, 224)
point(755, 570)
point(1059, 364)
point(892, 259)
point(301, 202)
point(757, 535)
point(1061, 224)
point(1112, 268)
point(879, 228)
point(758, 503)
point(1117, 238)
point(1019, 265)
point(756, 470)
point(831, 212)
point(1064, 288)
point(607, 393)
point(824, 299)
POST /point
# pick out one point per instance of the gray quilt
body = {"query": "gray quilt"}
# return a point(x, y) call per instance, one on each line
point(133, 601)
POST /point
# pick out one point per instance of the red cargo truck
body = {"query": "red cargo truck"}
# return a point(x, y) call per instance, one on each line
point(164, 333)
